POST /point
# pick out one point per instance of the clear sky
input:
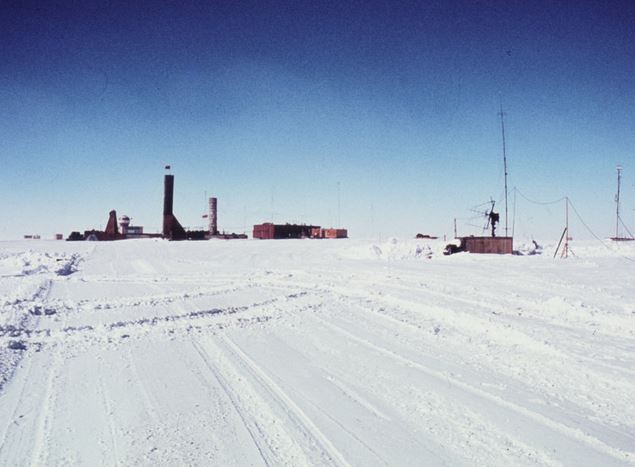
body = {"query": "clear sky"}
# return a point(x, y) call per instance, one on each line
point(271, 105)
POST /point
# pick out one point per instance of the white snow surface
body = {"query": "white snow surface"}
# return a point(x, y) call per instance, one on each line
point(314, 352)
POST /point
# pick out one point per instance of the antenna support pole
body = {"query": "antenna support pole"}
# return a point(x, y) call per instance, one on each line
point(617, 202)
point(565, 252)
point(502, 114)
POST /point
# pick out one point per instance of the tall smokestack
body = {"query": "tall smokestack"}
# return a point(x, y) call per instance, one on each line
point(171, 227)
point(168, 195)
point(213, 216)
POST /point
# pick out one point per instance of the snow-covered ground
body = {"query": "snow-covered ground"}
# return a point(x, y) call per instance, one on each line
point(147, 352)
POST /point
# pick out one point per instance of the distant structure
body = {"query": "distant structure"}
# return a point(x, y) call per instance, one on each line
point(493, 244)
point(213, 216)
point(172, 229)
point(112, 228)
point(212, 230)
point(124, 223)
point(112, 231)
point(618, 218)
point(484, 245)
point(270, 231)
point(128, 230)
point(329, 233)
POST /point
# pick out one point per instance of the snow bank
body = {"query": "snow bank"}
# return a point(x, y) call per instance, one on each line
point(394, 249)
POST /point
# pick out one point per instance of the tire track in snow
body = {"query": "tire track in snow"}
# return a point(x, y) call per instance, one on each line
point(604, 371)
point(261, 441)
point(294, 411)
point(149, 406)
point(532, 309)
point(351, 434)
point(108, 410)
point(433, 424)
point(354, 396)
point(14, 413)
point(622, 387)
point(537, 327)
point(594, 417)
point(489, 307)
point(91, 334)
point(18, 318)
point(182, 321)
point(45, 420)
point(43, 431)
point(574, 434)
point(603, 376)
point(481, 298)
point(106, 305)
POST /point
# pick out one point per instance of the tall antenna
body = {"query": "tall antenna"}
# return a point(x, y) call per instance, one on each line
point(272, 213)
point(617, 201)
point(502, 114)
point(339, 206)
point(565, 252)
point(565, 234)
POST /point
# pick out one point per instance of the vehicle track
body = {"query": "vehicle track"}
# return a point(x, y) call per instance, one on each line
point(529, 326)
point(149, 406)
point(297, 415)
point(433, 347)
point(263, 442)
point(93, 305)
point(573, 434)
point(40, 449)
point(112, 429)
point(14, 417)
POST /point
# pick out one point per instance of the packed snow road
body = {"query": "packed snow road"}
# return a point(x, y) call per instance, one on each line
point(314, 353)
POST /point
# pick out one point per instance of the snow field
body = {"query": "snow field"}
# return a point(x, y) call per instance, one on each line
point(314, 353)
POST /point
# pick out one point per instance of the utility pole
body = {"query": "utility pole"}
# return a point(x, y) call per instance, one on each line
point(565, 234)
point(272, 213)
point(617, 201)
point(565, 251)
point(455, 236)
point(339, 206)
point(502, 114)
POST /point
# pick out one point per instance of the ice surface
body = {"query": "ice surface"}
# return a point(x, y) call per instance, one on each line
point(147, 352)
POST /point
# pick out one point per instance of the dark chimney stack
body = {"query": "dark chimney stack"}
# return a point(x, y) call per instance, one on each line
point(171, 227)
point(168, 197)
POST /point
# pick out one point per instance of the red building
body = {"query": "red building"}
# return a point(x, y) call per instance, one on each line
point(329, 233)
point(278, 231)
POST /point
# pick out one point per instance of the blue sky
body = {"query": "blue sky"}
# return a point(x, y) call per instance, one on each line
point(269, 105)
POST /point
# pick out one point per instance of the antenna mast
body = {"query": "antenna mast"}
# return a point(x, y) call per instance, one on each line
point(339, 205)
point(502, 114)
point(617, 201)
